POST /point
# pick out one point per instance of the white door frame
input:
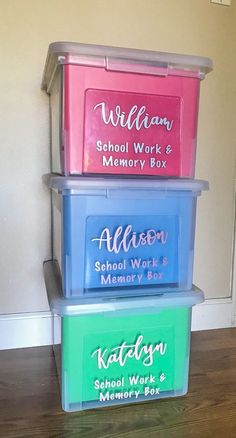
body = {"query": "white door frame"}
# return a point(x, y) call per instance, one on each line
point(233, 270)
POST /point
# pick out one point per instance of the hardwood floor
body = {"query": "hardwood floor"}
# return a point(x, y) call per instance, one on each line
point(30, 400)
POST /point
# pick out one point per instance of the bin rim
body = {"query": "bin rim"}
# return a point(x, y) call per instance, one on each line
point(81, 183)
point(65, 52)
point(80, 306)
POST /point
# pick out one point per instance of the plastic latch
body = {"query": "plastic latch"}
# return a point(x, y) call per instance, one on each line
point(135, 194)
point(136, 66)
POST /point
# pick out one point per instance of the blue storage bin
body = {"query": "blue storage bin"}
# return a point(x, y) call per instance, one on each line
point(111, 237)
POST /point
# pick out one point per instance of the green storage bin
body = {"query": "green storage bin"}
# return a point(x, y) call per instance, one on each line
point(116, 351)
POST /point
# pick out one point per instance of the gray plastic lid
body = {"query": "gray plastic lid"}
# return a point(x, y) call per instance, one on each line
point(121, 59)
point(78, 306)
point(62, 184)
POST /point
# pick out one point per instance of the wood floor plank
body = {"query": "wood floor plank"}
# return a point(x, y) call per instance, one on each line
point(30, 399)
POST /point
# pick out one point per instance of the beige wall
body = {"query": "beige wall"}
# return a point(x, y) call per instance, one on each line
point(26, 28)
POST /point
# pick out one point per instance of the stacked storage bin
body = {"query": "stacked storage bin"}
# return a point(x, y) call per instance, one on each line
point(123, 137)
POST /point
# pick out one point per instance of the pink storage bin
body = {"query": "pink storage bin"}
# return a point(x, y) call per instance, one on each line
point(117, 111)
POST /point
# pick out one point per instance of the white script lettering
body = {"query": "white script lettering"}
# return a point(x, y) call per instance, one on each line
point(124, 239)
point(137, 118)
point(122, 352)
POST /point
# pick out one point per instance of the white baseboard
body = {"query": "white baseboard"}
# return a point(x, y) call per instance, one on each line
point(25, 330)
point(213, 314)
point(35, 329)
